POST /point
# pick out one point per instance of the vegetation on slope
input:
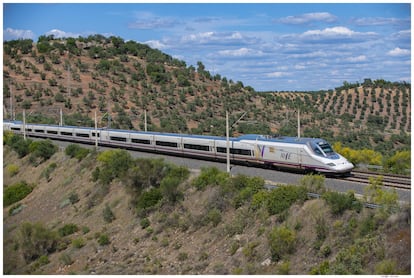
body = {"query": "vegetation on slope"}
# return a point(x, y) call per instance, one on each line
point(151, 217)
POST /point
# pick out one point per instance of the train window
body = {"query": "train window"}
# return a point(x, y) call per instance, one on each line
point(66, 133)
point(120, 139)
point(94, 134)
point(197, 147)
point(241, 151)
point(29, 129)
point(166, 144)
point(52, 132)
point(39, 130)
point(15, 128)
point(140, 141)
point(82, 135)
point(234, 151)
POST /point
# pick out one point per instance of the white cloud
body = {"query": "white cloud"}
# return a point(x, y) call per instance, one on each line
point(277, 74)
point(241, 52)
point(337, 32)
point(61, 34)
point(398, 52)
point(375, 21)
point(156, 44)
point(14, 34)
point(215, 37)
point(308, 17)
point(360, 58)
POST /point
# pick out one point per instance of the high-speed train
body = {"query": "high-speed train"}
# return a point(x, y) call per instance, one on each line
point(309, 154)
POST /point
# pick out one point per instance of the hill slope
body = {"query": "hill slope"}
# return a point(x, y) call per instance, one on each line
point(202, 233)
point(122, 79)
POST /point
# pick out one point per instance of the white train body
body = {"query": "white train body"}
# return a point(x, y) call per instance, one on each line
point(284, 152)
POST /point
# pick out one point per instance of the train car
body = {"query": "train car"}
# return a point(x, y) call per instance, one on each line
point(312, 154)
point(301, 153)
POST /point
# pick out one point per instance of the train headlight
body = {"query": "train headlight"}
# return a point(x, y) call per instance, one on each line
point(331, 164)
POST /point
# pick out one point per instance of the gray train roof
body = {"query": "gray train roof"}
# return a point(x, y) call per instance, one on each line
point(278, 139)
point(259, 137)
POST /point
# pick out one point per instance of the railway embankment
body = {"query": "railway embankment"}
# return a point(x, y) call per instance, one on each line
point(81, 212)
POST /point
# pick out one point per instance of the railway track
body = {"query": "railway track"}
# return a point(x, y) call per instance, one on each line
point(389, 180)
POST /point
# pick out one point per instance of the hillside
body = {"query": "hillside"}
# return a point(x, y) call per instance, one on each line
point(122, 79)
point(208, 224)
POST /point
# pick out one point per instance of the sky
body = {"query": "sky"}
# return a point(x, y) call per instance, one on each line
point(268, 46)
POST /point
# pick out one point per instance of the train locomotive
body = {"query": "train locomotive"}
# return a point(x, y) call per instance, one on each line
point(308, 154)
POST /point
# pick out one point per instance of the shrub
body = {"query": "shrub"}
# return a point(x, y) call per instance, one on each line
point(375, 193)
point(43, 260)
point(313, 183)
point(281, 241)
point(68, 229)
point(103, 239)
point(17, 143)
point(214, 216)
point(115, 163)
point(78, 242)
point(144, 223)
point(279, 199)
point(210, 176)
point(386, 267)
point(399, 163)
point(74, 150)
point(12, 169)
point(169, 189)
point(66, 259)
point(73, 198)
point(42, 149)
point(49, 169)
point(247, 186)
point(149, 199)
point(16, 192)
point(108, 215)
point(15, 209)
point(36, 240)
point(340, 202)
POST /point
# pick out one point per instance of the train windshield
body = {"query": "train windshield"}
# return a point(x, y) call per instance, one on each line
point(326, 148)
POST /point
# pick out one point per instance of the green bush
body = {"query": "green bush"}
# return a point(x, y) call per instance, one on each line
point(36, 240)
point(281, 241)
point(48, 170)
point(375, 193)
point(279, 199)
point(145, 223)
point(42, 149)
point(66, 259)
point(386, 267)
point(12, 169)
point(214, 217)
point(210, 176)
point(313, 183)
point(17, 143)
point(103, 239)
point(68, 229)
point(149, 198)
point(340, 202)
point(16, 192)
point(169, 189)
point(78, 242)
point(115, 163)
point(74, 150)
point(108, 215)
point(246, 188)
